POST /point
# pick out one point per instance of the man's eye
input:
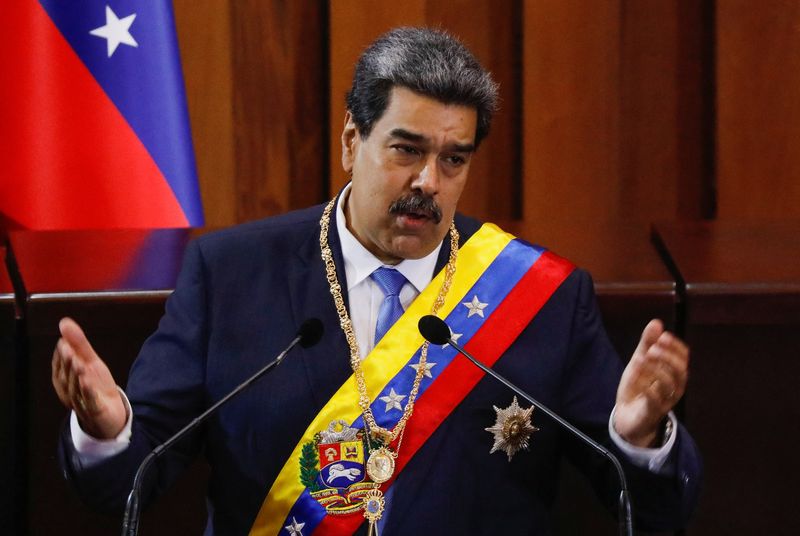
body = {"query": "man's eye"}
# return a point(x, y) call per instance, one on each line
point(455, 160)
point(406, 149)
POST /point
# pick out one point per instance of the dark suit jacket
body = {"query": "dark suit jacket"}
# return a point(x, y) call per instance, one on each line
point(240, 298)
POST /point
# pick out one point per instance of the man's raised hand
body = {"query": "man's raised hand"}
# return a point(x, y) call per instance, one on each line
point(653, 382)
point(84, 384)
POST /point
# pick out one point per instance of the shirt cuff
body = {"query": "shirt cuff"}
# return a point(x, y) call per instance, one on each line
point(652, 459)
point(91, 451)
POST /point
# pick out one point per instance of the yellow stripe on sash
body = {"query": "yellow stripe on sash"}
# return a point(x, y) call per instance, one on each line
point(384, 362)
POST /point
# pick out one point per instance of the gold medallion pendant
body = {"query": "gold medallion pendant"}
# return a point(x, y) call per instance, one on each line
point(380, 465)
point(373, 505)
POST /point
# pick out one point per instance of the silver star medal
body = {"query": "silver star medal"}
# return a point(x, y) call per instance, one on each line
point(512, 430)
point(393, 400)
point(295, 528)
point(475, 307)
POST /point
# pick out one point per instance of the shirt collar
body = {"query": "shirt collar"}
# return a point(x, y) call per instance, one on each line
point(359, 263)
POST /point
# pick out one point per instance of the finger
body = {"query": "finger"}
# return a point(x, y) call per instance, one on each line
point(57, 374)
point(652, 331)
point(71, 381)
point(73, 334)
point(671, 379)
point(68, 372)
point(662, 388)
point(656, 357)
point(674, 349)
point(653, 375)
point(675, 359)
point(640, 373)
point(67, 354)
point(76, 386)
point(65, 364)
point(55, 364)
point(670, 339)
point(87, 397)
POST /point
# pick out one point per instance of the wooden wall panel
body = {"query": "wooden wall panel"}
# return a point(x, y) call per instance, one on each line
point(666, 106)
point(205, 43)
point(571, 79)
point(648, 111)
point(758, 84)
point(490, 32)
point(256, 76)
point(611, 125)
point(279, 105)
point(605, 110)
point(637, 110)
point(696, 125)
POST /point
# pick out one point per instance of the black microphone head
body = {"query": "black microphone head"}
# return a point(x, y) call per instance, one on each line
point(434, 329)
point(310, 332)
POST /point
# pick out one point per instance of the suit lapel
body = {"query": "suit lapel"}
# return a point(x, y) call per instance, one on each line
point(466, 228)
point(327, 364)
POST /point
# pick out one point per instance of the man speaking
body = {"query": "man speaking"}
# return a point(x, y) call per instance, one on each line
point(372, 429)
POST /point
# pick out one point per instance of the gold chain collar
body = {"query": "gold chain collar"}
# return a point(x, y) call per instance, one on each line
point(386, 435)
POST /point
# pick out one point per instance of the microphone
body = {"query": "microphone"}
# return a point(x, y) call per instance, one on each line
point(308, 335)
point(436, 331)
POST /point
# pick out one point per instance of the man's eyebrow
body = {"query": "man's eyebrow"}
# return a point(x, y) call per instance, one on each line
point(407, 135)
point(419, 138)
point(463, 147)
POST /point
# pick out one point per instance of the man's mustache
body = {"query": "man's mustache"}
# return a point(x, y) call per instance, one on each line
point(419, 204)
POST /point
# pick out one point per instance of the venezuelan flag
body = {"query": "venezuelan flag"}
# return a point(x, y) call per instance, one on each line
point(94, 130)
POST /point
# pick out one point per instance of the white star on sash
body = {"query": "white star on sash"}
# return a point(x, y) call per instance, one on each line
point(392, 400)
point(428, 367)
point(295, 528)
point(116, 31)
point(454, 336)
point(475, 307)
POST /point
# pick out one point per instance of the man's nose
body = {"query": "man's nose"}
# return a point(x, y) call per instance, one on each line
point(427, 179)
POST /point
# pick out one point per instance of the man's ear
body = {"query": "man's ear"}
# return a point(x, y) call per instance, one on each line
point(349, 138)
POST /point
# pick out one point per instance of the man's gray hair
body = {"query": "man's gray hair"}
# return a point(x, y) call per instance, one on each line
point(426, 61)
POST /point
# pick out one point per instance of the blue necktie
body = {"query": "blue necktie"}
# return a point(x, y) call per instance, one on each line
point(390, 281)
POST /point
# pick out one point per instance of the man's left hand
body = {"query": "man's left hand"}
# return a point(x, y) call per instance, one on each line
point(652, 383)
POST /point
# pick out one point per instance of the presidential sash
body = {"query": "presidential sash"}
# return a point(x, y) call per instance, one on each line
point(500, 284)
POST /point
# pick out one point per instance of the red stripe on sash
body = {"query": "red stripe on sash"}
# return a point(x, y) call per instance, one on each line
point(498, 332)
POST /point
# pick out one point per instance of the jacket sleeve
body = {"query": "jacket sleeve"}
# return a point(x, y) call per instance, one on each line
point(166, 390)
point(663, 501)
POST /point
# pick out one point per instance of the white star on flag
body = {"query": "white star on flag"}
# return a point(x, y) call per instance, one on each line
point(392, 400)
point(475, 307)
point(295, 528)
point(116, 31)
point(454, 336)
point(428, 367)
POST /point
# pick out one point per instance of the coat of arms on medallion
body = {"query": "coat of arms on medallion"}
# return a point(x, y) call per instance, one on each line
point(332, 468)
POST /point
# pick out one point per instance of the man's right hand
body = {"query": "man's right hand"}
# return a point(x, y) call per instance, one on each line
point(84, 384)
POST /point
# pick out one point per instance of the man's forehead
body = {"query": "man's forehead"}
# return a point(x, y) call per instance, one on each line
point(416, 117)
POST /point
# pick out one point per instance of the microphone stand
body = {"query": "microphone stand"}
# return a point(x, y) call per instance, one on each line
point(130, 521)
point(625, 516)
